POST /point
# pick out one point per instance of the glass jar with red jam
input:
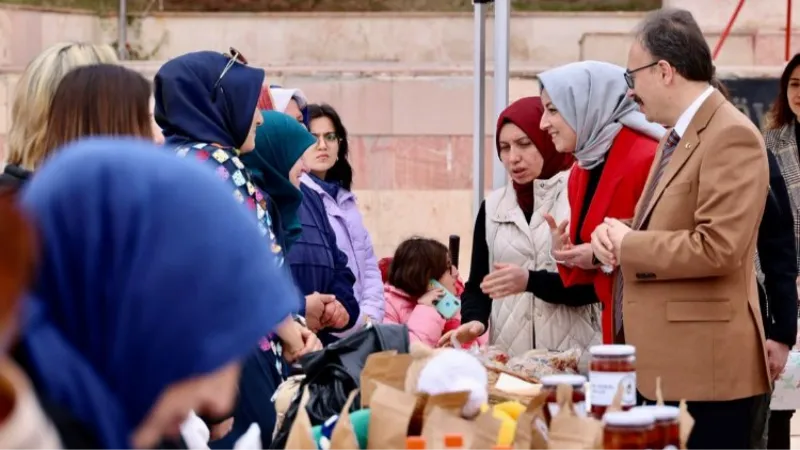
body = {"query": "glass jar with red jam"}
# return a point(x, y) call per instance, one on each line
point(666, 430)
point(550, 385)
point(610, 367)
point(627, 430)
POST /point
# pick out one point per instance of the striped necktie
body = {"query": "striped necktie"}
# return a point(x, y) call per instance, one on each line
point(647, 197)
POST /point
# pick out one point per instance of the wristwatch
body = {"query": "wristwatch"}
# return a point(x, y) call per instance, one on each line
point(300, 319)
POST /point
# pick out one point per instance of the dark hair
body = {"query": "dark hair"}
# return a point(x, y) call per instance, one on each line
point(780, 113)
point(341, 172)
point(674, 36)
point(99, 100)
point(717, 84)
point(416, 262)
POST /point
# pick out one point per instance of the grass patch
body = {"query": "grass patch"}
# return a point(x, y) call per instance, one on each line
point(138, 6)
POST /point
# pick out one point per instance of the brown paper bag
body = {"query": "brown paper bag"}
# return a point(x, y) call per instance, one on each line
point(440, 423)
point(343, 437)
point(485, 430)
point(568, 430)
point(390, 414)
point(300, 435)
point(452, 402)
point(616, 402)
point(388, 368)
point(659, 393)
point(532, 431)
point(685, 423)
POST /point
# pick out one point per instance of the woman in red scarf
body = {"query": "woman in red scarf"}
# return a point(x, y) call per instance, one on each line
point(513, 280)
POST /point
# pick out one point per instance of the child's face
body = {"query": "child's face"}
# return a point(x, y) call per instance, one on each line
point(448, 280)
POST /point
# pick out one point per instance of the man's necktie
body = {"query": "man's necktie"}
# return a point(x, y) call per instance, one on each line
point(647, 197)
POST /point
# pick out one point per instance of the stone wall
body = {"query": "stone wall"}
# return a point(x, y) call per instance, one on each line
point(402, 83)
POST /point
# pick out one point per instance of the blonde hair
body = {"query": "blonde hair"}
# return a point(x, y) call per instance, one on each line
point(34, 95)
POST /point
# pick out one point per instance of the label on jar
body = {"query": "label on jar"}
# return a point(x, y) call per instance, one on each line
point(604, 386)
point(580, 409)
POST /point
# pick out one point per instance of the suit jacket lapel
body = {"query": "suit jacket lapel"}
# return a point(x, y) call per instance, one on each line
point(689, 141)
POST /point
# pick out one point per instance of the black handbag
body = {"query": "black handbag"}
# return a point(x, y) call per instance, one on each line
point(335, 371)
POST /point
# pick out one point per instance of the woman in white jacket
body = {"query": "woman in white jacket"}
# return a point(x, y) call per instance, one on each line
point(512, 270)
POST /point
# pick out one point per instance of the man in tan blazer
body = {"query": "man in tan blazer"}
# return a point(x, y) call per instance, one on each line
point(687, 285)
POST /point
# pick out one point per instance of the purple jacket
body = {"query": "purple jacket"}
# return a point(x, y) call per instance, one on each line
point(353, 239)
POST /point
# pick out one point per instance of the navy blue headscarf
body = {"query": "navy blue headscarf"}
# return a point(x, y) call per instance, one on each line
point(141, 284)
point(185, 108)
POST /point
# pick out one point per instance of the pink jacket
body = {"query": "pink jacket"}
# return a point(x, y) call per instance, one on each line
point(424, 323)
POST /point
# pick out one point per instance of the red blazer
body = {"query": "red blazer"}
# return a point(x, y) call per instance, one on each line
point(621, 183)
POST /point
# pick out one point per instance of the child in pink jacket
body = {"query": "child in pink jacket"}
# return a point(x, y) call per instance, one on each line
point(409, 298)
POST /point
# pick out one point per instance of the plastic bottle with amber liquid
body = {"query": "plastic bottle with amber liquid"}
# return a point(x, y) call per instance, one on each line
point(629, 430)
point(666, 429)
point(550, 385)
point(415, 443)
point(610, 367)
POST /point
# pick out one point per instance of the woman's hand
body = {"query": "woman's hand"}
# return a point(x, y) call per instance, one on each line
point(315, 309)
point(221, 429)
point(335, 315)
point(467, 332)
point(559, 236)
point(576, 256)
point(291, 337)
point(505, 280)
point(429, 298)
point(310, 344)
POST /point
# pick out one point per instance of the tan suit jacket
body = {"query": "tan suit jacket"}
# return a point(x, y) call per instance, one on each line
point(690, 304)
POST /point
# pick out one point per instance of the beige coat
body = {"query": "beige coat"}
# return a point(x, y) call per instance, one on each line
point(522, 322)
point(690, 304)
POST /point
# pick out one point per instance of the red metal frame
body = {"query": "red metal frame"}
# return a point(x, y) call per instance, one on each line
point(788, 29)
point(727, 30)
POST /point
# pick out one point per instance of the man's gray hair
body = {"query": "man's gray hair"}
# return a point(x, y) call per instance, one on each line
point(672, 35)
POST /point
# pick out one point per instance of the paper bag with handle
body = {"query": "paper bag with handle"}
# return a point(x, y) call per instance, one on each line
point(685, 420)
point(451, 402)
point(478, 434)
point(440, 423)
point(300, 435)
point(532, 431)
point(388, 368)
point(390, 414)
point(569, 430)
point(343, 436)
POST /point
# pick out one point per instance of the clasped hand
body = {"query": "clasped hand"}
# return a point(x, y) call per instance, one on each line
point(325, 311)
point(607, 241)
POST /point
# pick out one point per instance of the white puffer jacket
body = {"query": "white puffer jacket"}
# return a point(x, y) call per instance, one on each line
point(521, 322)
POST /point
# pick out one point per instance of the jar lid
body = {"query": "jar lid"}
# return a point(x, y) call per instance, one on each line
point(612, 350)
point(660, 412)
point(629, 419)
point(571, 380)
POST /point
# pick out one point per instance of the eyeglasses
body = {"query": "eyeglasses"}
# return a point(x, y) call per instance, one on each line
point(330, 138)
point(233, 57)
point(629, 73)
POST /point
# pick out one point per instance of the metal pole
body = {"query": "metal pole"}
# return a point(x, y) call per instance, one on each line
point(788, 49)
point(502, 27)
point(479, 98)
point(122, 28)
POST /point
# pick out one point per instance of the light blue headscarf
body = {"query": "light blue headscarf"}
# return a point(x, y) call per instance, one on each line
point(150, 274)
point(592, 96)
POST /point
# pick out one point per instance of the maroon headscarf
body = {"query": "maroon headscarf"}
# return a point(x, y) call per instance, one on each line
point(526, 113)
